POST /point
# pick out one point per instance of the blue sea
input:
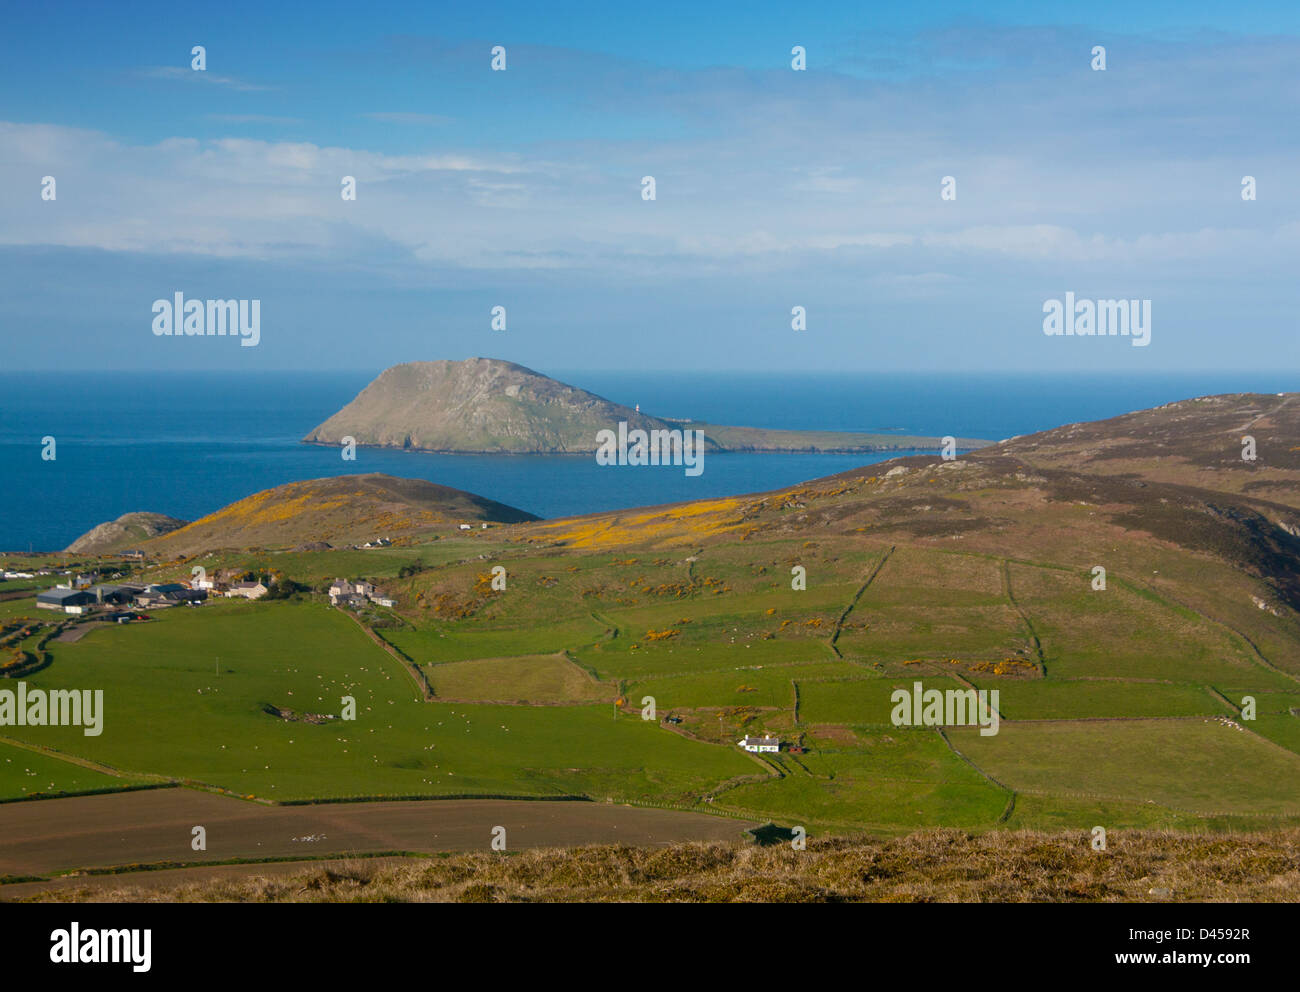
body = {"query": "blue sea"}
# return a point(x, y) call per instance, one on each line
point(186, 444)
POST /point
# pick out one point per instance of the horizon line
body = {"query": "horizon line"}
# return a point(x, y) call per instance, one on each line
point(679, 371)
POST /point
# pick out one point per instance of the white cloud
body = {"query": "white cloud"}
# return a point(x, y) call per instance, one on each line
point(839, 176)
point(202, 77)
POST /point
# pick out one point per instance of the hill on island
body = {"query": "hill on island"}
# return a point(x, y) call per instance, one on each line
point(484, 405)
point(345, 510)
point(127, 531)
point(477, 405)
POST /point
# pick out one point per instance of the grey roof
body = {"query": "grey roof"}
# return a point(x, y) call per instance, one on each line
point(64, 595)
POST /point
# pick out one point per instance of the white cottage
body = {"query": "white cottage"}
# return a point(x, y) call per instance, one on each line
point(249, 590)
point(760, 743)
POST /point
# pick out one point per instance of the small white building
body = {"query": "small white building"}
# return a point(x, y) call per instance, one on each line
point(760, 743)
point(465, 527)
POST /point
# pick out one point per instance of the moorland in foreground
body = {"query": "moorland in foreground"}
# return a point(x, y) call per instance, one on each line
point(933, 866)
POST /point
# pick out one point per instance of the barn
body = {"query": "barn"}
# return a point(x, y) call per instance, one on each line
point(67, 600)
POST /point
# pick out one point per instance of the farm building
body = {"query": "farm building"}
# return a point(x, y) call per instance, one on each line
point(760, 743)
point(67, 600)
point(114, 594)
point(167, 594)
point(356, 593)
point(249, 590)
point(165, 588)
point(343, 591)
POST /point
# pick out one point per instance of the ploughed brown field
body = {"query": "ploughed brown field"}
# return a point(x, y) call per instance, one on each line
point(154, 827)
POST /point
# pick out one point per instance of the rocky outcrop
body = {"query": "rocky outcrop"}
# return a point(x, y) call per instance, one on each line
point(126, 532)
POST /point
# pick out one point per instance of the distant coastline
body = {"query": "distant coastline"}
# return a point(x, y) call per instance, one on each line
point(187, 443)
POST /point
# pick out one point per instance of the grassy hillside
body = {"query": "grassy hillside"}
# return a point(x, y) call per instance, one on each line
point(349, 509)
point(130, 530)
point(1198, 443)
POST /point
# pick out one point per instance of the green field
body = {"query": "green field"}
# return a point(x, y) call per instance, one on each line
point(176, 707)
point(861, 701)
point(1113, 703)
point(745, 685)
point(907, 777)
point(24, 772)
point(1049, 699)
point(525, 679)
point(1196, 765)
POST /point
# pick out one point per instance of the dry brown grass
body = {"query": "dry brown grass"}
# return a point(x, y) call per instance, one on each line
point(931, 866)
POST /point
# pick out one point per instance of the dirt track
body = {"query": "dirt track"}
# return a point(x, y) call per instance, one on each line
point(56, 835)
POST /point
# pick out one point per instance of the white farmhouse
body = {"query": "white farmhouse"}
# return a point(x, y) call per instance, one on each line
point(343, 591)
point(249, 590)
point(356, 593)
point(760, 743)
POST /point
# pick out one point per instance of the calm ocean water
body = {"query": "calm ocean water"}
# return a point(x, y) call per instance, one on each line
point(186, 444)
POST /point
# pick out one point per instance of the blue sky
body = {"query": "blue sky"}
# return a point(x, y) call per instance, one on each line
point(775, 188)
